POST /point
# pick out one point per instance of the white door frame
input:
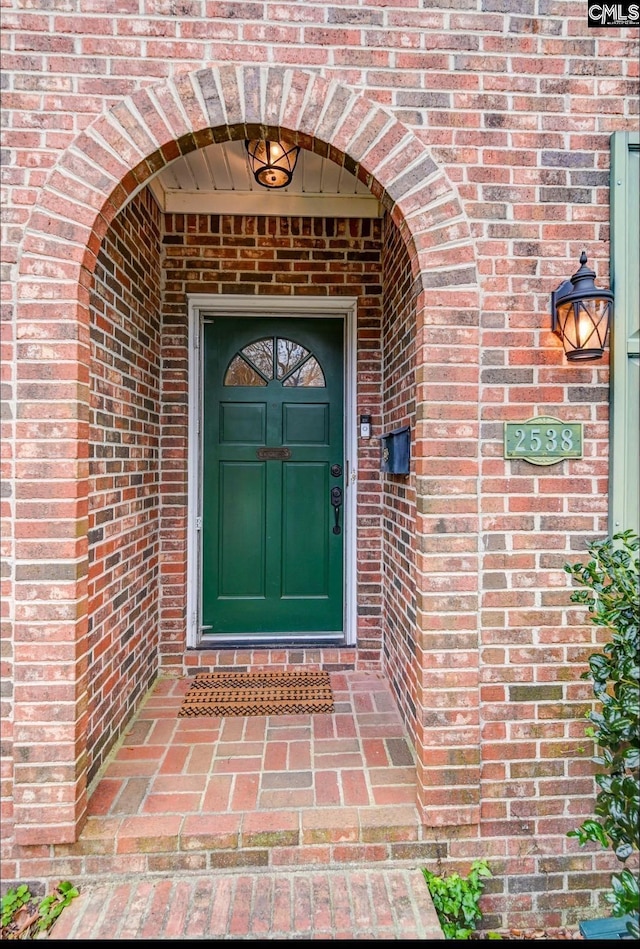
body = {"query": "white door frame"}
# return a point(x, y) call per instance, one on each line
point(203, 306)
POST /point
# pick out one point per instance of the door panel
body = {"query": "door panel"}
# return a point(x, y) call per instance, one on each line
point(305, 561)
point(243, 424)
point(305, 424)
point(272, 428)
point(242, 537)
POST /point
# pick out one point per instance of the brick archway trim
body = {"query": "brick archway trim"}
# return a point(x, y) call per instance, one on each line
point(104, 167)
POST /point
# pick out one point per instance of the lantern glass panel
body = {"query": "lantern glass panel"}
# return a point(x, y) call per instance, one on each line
point(583, 325)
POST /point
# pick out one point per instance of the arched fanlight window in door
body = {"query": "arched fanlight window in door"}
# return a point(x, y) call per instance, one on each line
point(278, 358)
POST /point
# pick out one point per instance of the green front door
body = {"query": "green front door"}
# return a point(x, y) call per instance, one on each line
point(272, 480)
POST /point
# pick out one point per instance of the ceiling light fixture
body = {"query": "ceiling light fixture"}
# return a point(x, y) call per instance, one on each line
point(272, 163)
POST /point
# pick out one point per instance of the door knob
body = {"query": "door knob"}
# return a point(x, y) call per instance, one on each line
point(336, 501)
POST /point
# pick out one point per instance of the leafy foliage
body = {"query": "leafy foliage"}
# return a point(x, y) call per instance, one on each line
point(13, 901)
point(612, 596)
point(23, 917)
point(53, 904)
point(456, 899)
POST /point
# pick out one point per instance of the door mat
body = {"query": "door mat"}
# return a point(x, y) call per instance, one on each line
point(258, 693)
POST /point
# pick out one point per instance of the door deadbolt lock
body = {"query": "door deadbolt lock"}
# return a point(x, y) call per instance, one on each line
point(336, 470)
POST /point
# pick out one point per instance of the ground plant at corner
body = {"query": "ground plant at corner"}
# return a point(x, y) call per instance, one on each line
point(456, 899)
point(612, 596)
point(26, 917)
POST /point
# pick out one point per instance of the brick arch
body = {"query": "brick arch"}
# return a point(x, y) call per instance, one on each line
point(104, 167)
point(121, 150)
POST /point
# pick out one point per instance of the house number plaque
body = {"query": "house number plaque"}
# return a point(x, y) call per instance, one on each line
point(543, 441)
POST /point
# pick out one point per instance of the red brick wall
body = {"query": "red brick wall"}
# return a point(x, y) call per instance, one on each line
point(124, 500)
point(515, 104)
point(399, 491)
point(266, 255)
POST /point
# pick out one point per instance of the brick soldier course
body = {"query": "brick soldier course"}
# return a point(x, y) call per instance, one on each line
point(484, 130)
point(390, 903)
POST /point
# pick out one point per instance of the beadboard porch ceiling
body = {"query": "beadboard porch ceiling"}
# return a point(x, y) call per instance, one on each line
point(217, 180)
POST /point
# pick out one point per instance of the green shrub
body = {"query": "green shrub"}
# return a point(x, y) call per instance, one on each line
point(456, 899)
point(612, 596)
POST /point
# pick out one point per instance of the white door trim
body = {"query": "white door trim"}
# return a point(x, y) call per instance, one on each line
point(201, 306)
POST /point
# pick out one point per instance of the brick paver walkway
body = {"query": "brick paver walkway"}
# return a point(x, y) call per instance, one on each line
point(340, 903)
point(272, 792)
point(293, 826)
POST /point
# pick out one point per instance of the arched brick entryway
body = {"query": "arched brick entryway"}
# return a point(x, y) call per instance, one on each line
point(98, 174)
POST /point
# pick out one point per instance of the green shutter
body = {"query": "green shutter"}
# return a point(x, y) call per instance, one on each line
point(625, 333)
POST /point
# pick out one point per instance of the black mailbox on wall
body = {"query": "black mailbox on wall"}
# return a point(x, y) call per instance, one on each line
point(396, 451)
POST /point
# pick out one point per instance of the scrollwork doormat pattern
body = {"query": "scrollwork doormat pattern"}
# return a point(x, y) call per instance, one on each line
point(257, 693)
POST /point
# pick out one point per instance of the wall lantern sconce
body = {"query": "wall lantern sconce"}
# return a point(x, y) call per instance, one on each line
point(272, 163)
point(581, 314)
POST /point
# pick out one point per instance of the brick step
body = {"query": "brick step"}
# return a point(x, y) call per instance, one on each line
point(268, 840)
point(197, 842)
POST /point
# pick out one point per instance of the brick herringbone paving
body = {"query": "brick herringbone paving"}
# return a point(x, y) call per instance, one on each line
point(339, 903)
